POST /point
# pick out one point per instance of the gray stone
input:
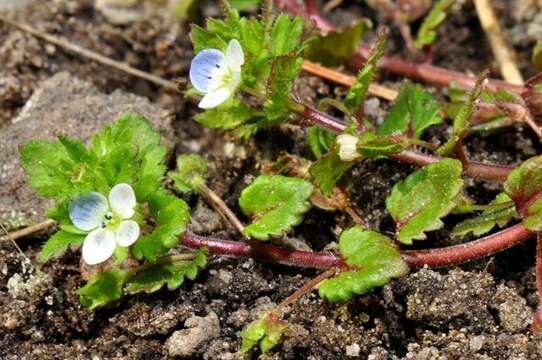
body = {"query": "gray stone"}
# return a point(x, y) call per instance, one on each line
point(199, 332)
point(62, 105)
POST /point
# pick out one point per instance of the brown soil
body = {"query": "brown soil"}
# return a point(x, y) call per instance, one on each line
point(481, 310)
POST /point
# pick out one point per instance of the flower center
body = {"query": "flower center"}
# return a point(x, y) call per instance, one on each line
point(111, 221)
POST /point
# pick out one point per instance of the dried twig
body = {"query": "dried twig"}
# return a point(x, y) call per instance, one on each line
point(28, 230)
point(220, 206)
point(346, 80)
point(89, 54)
point(503, 54)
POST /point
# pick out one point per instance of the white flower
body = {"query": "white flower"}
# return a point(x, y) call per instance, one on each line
point(216, 74)
point(107, 222)
point(348, 147)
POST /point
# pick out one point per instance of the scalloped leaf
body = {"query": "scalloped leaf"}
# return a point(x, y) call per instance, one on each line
point(419, 202)
point(413, 111)
point(172, 273)
point(284, 71)
point(266, 331)
point(171, 216)
point(524, 186)
point(373, 254)
point(285, 34)
point(495, 215)
point(427, 33)
point(103, 288)
point(276, 203)
point(189, 176)
point(57, 244)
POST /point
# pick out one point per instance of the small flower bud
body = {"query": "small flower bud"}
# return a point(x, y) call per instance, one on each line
point(348, 150)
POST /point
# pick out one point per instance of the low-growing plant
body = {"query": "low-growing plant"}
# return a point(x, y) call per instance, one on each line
point(110, 198)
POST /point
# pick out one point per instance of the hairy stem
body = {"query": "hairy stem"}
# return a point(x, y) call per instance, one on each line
point(472, 168)
point(434, 257)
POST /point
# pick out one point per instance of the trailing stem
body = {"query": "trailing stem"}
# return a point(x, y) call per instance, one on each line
point(434, 257)
point(472, 168)
point(424, 72)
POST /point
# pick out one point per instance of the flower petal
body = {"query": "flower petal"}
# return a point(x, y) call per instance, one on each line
point(98, 246)
point(87, 212)
point(215, 98)
point(127, 233)
point(203, 67)
point(122, 200)
point(235, 55)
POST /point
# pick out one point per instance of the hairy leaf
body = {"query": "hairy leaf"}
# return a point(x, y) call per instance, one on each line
point(285, 34)
point(103, 288)
point(419, 202)
point(284, 71)
point(376, 260)
point(334, 48)
point(171, 273)
point(356, 94)
point(463, 118)
point(524, 186)
point(495, 215)
point(328, 170)
point(374, 146)
point(171, 216)
point(57, 244)
point(266, 331)
point(229, 115)
point(190, 173)
point(427, 33)
point(413, 111)
point(276, 203)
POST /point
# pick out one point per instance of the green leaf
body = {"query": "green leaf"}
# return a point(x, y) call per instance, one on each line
point(524, 186)
point(413, 111)
point(463, 118)
point(171, 216)
point(374, 146)
point(427, 33)
point(204, 39)
point(419, 202)
point(171, 273)
point(537, 55)
point(356, 94)
point(190, 173)
point(276, 203)
point(227, 116)
point(285, 34)
point(319, 140)
point(376, 259)
point(284, 71)
point(493, 216)
point(329, 169)
point(334, 48)
point(103, 288)
point(57, 244)
point(266, 331)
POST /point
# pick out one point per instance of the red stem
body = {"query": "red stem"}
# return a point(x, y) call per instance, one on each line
point(472, 168)
point(424, 72)
point(433, 257)
point(468, 251)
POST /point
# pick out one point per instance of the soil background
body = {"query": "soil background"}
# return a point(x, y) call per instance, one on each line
point(480, 310)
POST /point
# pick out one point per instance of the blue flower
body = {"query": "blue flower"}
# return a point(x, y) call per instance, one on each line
point(108, 222)
point(216, 74)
